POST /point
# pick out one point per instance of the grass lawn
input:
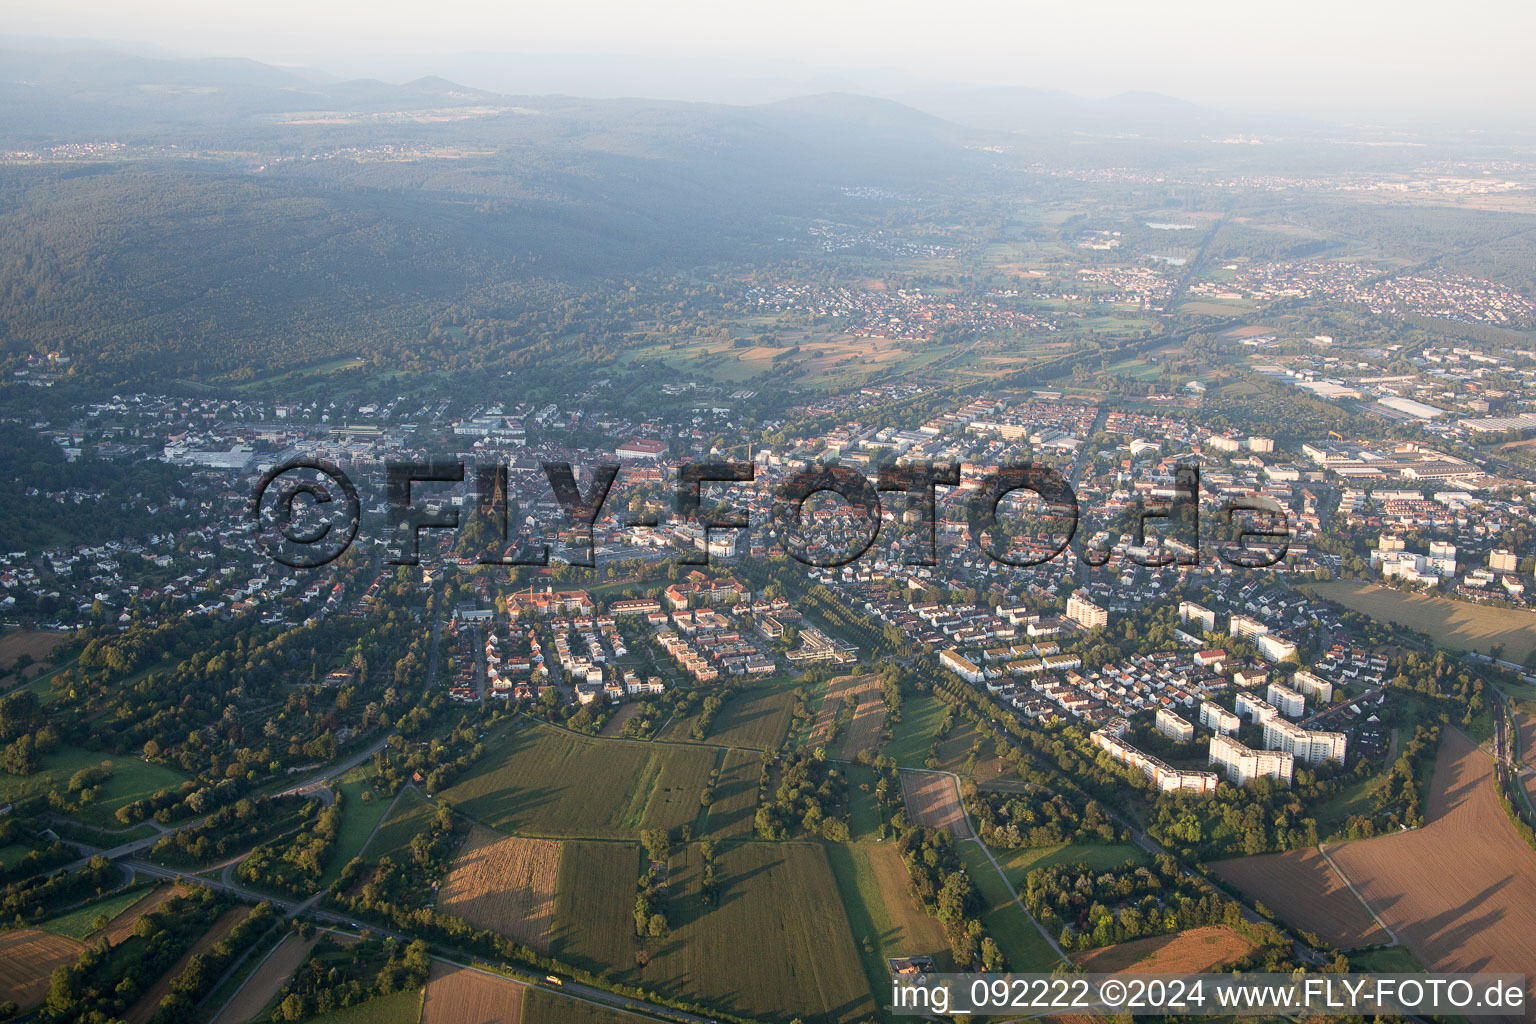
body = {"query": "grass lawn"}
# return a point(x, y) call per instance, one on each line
point(77, 923)
point(358, 817)
point(132, 779)
point(411, 815)
point(757, 718)
point(1394, 960)
point(1017, 864)
point(910, 740)
point(541, 781)
point(1021, 942)
point(864, 817)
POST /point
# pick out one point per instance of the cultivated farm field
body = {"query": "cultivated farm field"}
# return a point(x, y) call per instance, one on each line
point(458, 995)
point(1460, 892)
point(1459, 624)
point(544, 781)
point(541, 1007)
point(1304, 891)
point(776, 946)
point(28, 957)
point(506, 884)
point(735, 798)
point(121, 926)
point(864, 731)
point(934, 800)
point(1187, 952)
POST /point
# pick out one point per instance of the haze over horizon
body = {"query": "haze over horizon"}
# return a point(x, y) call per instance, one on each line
point(1397, 62)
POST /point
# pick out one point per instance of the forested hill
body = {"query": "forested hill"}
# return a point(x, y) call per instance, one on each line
point(215, 231)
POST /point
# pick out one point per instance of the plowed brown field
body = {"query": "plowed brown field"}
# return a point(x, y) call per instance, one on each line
point(1304, 892)
point(1191, 952)
point(28, 957)
point(934, 800)
point(261, 986)
point(121, 926)
point(864, 731)
point(506, 884)
point(457, 995)
point(1460, 892)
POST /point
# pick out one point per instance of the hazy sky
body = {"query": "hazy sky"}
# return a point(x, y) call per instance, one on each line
point(1339, 57)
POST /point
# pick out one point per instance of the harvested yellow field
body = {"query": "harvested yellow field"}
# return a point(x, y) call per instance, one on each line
point(506, 884)
point(458, 995)
point(1462, 624)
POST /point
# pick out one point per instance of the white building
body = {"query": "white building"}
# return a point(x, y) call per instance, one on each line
point(1175, 727)
point(1314, 746)
point(1255, 710)
point(1242, 764)
point(1189, 611)
point(1313, 686)
point(1274, 648)
point(1245, 628)
point(1214, 716)
point(1289, 703)
point(1085, 613)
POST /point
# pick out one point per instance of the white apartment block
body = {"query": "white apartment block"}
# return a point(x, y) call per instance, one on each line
point(1290, 703)
point(1314, 746)
point(1245, 627)
point(1189, 612)
point(1175, 727)
point(1242, 764)
point(961, 666)
point(1085, 613)
point(1255, 710)
point(1313, 686)
point(1214, 716)
point(1163, 775)
point(1503, 561)
point(1275, 648)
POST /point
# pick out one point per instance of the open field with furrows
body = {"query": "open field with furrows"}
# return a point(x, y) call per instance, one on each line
point(868, 725)
point(838, 690)
point(1450, 623)
point(144, 1009)
point(735, 799)
point(1460, 892)
point(458, 995)
point(132, 779)
point(542, 1007)
point(1304, 891)
point(504, 883)
point(266, 981)
point(757, 718)
point(28, 957)
point(543, 781)
point(594, 926)
point(1189, 952)
point(776, 946)
point(934, 800)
